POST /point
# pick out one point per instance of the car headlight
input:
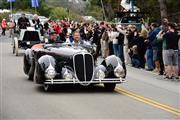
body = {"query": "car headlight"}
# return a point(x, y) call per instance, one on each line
point(50, 72)
point(67, 75)
point(46, 40)
point(100, 75)
point(119, 71)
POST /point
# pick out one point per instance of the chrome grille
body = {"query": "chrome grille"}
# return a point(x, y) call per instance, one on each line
point(84, 67)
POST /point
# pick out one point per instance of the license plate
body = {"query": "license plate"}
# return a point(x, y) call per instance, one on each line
point(28, 43)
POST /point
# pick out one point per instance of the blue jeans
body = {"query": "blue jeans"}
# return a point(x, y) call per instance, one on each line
point(179, 61)
point(121, 54)
point(149, 59)
point(154, 57)
point(135, 63)
point(118, 51)
point(115, 49)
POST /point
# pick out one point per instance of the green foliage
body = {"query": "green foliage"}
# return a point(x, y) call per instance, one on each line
point(22, 4)
point(44, 10)
point(153, 8)
point(4, 15)
point(149, 6)
point(4, 4)
point(173, 10)
point(61, 13)
point(95, 11)
point(58, 13)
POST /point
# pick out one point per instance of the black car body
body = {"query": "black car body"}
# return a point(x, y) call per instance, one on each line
point(63, 64)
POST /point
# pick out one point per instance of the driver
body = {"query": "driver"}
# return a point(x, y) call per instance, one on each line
point(76, 39)
point(53, 37)
point(23, 22)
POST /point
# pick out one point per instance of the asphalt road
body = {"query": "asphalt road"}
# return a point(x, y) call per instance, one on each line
point(22, 99)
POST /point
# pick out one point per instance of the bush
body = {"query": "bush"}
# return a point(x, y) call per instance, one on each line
point(4, 15)
point(61, 13)
point(95, 11)
point(58, 13)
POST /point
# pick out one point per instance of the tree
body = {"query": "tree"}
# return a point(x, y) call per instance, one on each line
point(163, 8)
point(4, 4)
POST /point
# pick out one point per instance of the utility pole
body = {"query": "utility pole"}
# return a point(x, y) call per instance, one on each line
point(132, 5)
point(11, 10)
point(119, 5)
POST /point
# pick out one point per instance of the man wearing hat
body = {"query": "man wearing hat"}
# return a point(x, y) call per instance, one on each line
point(53, 37)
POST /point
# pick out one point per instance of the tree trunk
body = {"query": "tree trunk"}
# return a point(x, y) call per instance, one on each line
point(109, 11)
point(163, 8)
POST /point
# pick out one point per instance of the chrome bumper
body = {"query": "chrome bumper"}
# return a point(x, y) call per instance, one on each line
point(75, 81)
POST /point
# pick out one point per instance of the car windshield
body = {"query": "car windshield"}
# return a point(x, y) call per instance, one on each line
point(31, 36)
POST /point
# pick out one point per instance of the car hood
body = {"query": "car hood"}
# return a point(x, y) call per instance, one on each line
point(66, 51)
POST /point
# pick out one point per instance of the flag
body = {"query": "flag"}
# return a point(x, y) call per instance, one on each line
point(35, 3)
point(11, 0)
point(132, 5)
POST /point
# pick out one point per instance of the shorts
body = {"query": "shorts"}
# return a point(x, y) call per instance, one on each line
point(170, 57)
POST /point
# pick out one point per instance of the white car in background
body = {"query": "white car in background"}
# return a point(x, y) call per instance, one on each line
point(43, 19)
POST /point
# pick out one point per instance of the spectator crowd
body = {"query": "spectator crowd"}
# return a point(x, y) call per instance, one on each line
point(153, 48)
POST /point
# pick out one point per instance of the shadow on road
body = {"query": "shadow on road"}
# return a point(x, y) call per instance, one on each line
point(75, 89)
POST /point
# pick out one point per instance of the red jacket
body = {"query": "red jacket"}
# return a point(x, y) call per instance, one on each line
point(4, 24)
point(58, 29)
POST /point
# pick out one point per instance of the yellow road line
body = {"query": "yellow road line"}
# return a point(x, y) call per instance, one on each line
point(148, 101)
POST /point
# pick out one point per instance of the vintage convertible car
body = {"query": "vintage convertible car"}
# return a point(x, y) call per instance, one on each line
point(53, 64)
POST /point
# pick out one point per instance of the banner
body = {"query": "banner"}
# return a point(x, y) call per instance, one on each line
point(132, 5)
point(35, 3)
point(11, 0)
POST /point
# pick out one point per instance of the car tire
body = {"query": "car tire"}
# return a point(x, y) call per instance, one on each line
point(13, 48)
point(110, 86)
point(16, 47)
point(26, 66)
point(30, 77)
point(39, 79)
point(35, 75)
point(31, 71)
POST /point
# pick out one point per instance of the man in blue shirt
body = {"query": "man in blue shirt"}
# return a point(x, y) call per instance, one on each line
point(151, 54)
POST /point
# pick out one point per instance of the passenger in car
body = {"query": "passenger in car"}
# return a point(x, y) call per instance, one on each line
point(54, 37)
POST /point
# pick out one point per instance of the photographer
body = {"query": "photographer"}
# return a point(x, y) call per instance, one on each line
point(23, 22)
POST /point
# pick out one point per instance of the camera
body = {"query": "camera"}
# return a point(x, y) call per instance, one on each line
point(177, 27)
